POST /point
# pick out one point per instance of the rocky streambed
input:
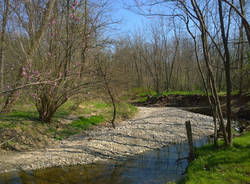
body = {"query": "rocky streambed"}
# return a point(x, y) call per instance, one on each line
point(152, 128)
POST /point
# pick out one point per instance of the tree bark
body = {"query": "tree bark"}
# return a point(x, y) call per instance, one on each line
point(211, 100)
point(228, 74)
point(2, 42)
point(206, 54)
point(241, 46)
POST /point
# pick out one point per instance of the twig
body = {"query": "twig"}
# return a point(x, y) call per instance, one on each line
point(7, 141)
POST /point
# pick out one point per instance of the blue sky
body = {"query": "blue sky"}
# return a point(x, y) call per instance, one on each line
point(130, 21)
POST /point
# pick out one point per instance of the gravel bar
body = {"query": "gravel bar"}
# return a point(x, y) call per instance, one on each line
point(151, 128)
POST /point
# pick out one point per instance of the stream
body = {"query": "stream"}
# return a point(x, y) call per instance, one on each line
point(153, 167)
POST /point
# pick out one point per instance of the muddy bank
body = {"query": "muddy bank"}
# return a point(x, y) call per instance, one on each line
point(199, 104)
point(152, 128)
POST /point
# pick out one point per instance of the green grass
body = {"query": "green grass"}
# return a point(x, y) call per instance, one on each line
point(18, 116)
point(89, 113)
point(224, 93)
point(140, 94)
point(76, 126)
point(185, 93)
point(141, 99)
point(125, 110)
point(7, 125)
point(101, 105)
point(23, 122)
point(65, 110)
point(84, 123)
point(223, 165)
point(27, 112)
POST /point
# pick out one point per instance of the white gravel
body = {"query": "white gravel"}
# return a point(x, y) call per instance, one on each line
point(152, 128)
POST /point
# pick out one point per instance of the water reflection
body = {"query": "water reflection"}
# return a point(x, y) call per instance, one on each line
point(154, 167)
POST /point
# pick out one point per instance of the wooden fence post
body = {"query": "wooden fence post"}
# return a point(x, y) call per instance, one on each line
point(190, 140)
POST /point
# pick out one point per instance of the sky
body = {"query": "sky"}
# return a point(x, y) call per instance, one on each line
point(130, 21)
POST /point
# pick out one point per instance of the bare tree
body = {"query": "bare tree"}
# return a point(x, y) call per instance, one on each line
point(211, 99)
point(34, 43)
point(70, 53)
point(241, 13)
point(196, 14)
point(227, 63)
point(102, 65)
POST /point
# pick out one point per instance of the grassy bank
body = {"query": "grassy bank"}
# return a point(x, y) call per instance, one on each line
point(223, 165)
point(21, 129)
point(140, 95)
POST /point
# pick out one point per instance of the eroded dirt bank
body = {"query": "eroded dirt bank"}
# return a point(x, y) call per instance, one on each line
point(199, 104)
point(151, 128)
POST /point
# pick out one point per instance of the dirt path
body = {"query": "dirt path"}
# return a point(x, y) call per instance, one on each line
point(151, 128)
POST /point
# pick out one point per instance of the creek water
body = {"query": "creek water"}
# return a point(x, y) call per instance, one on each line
point(153, 167)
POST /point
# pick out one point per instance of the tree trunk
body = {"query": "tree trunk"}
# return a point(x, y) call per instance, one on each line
point(244, 21)
point(241, 46)
point(205, 47)
point(107, 87)
point(228, 74)
point(2, 41)
point(241, 13)
point(48, 103)
point(211, 102)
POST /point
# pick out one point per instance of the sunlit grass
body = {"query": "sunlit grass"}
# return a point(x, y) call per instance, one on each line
point(185, 93)
point(84, 123)
point(223, 165)
point(7, 125)
point(18, 116)
point(76, 126)
point(89, 113)
point(140, 94)
point(93, 113)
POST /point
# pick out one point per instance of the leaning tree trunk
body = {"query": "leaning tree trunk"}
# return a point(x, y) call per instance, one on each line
point(211, 100)
point(205, 47)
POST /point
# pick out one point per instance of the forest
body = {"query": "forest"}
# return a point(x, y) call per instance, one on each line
point(65, 58)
